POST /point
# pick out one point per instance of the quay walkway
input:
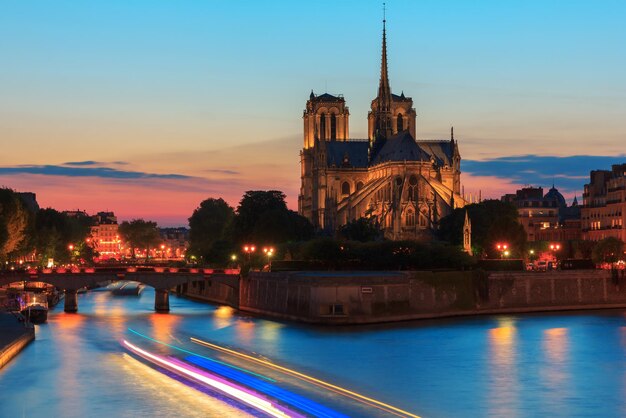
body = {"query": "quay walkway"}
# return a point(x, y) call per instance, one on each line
point(14, 336)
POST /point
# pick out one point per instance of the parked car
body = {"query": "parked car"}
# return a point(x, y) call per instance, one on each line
point(542, 266)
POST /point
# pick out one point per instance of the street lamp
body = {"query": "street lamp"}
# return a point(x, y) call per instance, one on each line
point(162, 251)
point(249, 249)
point(269, 251)
point(555, 248)
point(503, 248)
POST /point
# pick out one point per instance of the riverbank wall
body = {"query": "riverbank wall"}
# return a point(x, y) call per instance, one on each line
point(220, 289)
point(372, 297)
point(14, 336)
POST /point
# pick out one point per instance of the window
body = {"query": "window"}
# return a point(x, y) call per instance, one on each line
point(359, 186)
point(322, 126)
point(410, 218)
point(345, 188)
point(333, 126)
point(400, 123)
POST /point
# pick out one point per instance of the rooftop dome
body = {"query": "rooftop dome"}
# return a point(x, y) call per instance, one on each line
point(554, 194)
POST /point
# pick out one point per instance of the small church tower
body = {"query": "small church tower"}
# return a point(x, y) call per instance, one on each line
point(467, 235)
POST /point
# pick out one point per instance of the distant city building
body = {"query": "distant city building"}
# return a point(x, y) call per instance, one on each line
point(105, 237)
point(408, 185)
point(546, 217)
point(604, 204)
point(175, 241)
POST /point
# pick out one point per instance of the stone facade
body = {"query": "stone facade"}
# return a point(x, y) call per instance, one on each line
point(604, 204)
point(405, 184)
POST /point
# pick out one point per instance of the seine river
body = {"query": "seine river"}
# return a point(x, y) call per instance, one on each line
point(500, 366)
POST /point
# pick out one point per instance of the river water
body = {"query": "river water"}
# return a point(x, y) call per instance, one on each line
point(497, 366)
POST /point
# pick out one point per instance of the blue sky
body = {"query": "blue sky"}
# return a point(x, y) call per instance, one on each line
point(214, 90)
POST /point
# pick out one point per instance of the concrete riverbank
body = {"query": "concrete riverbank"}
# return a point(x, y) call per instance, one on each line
point(14, 336)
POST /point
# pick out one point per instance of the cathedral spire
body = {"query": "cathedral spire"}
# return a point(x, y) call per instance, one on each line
point(383, 123)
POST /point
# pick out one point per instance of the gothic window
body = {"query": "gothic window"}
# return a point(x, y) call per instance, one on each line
point(323, 126)
point(410, 217)
point(400, 124)
point(333, 126)
point(412, 188)
point(359, 186)
point(422, 220)
point(345, 188)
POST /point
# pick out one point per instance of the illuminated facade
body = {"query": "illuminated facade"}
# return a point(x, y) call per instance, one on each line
point(407, 185)
point(604, 204)
point(546, 217)
point(105, 237)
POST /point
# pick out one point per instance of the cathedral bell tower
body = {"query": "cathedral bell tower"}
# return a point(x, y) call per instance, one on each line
point(325, 119)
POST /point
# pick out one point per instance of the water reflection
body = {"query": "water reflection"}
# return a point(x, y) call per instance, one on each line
point(163, 325)
point(554, 372)
point(504, 384)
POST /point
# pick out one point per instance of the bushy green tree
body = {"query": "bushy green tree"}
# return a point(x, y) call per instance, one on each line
point(14, 222)
point(208, 226)
point(140, 234)
point(608, 250)
point(493, 221)
point(55, 231)
point(263, 217)
point(362, 229)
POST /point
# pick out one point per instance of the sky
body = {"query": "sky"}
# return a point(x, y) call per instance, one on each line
point(148, 107)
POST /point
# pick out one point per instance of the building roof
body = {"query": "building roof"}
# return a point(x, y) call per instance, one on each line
point(355, 151)
point(400, 147)
point(326, 97)
point(554, 194)
point(441, 151)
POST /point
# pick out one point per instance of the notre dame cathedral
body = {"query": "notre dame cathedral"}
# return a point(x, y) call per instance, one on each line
point(407, 185)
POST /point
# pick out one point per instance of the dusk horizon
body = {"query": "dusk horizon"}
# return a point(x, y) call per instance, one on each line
point(133, 111)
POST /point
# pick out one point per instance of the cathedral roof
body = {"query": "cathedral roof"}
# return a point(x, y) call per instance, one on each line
point(326, 97)
point(400, 147)
point(354, 152)
point(441, 151)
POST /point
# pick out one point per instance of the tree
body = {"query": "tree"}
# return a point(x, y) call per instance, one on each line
point(263, 217)
point(208, 225)
point(140, 234)
point(14, 222)
point(55, 231)
point(493, 221)
point(253, 206)
point(362, 229)
point(608, 250)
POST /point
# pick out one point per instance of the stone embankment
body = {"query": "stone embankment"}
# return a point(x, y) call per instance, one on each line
point(14, 336)
point(372, 297)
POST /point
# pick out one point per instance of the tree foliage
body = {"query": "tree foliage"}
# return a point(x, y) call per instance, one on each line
point(14, 223)
point(208, 229)
point(492, 221)
point(140, 234)
point(362, 229)
point(56, 231)
point(263, 217)
point(608, 250)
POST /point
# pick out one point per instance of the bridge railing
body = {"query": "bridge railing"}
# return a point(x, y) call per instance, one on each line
point(122, 270)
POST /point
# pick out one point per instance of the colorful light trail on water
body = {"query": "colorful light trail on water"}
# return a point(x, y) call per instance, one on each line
point(337, 389)
point(221, 385)
point(297, 401)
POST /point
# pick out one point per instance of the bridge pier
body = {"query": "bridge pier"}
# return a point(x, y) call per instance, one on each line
point(71, 300)
point(162, 300)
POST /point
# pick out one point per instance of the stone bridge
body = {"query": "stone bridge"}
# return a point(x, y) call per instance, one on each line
point(162, 279)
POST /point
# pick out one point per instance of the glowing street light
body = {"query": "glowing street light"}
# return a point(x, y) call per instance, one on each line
point(503, 248)
point(269, 251)
point(249, 249)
